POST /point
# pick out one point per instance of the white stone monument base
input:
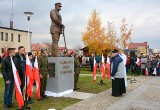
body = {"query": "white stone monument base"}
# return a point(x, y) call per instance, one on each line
point(62, 82)
point(51, 94)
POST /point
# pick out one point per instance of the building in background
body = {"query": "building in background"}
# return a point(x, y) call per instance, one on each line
point(13, 38)
point(142, 48)
point(47, 46)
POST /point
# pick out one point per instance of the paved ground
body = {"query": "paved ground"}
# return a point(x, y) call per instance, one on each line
point(142, 95)
point(79, 95)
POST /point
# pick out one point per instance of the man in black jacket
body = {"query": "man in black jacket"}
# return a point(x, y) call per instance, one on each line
point(7, 73)
point(21, 65)
point(91, 61)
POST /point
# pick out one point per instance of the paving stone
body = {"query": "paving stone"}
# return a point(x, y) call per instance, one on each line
point(79, 95)
point(104, 100)
point(136, 108)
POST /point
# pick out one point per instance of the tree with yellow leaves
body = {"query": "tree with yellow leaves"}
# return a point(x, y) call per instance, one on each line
point(113, 40)
point(94, 37)
point(125, 37)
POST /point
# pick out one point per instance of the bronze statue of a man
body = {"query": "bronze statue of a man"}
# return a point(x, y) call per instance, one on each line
point(56, 28)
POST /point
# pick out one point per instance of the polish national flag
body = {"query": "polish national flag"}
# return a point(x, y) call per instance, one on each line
point(108, 67)
point(37, 78)
point(29, 75)
point(17, 82)
point(94, 70)
point(138, 62)
point(103, 73)
point(5, 53)
point(146, 72)
point(155, 71)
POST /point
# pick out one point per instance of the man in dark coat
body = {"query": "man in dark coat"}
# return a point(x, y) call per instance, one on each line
point(8, 77)
point(117, 74)
point(91, 61)
point(20, 55)
point(154, 63)
point(56, 28)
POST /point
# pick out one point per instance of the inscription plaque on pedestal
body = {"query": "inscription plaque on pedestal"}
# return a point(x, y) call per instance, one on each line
point(51, 69)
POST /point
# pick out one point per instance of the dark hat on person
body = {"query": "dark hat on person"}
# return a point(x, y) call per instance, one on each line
point(115, 51)
point(11, 48)
point(29, 53)
point(59, 4)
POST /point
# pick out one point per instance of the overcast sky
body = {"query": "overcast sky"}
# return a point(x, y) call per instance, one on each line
point(144, 15)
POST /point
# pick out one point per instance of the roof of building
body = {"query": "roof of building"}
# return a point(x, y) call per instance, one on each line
point(136, 45)
point(14, 29)
point(36, 46)
point(39, 46)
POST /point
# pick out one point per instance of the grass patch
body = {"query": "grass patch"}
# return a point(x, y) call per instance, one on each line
point(52, 102)
point(85, 71)
point(86, 84)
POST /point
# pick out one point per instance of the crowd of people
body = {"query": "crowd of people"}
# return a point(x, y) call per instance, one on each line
point(19, 60)
point(120, 65)
point(136, 65)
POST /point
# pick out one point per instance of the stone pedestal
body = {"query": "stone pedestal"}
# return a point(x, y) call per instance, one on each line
point(61, 81)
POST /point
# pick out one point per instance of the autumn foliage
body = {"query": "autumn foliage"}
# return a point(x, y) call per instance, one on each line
point(98, 40)
point(125, 37)
point(94, 37)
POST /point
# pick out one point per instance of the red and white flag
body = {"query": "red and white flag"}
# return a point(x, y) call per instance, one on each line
point(29, 75)
point(155, 71)
point(17, 82)
point(138, 62)
point(94, 70)
point(146, 72)
point(103, 73)
point(5, 53)
point(108, 67)
point(37, 78)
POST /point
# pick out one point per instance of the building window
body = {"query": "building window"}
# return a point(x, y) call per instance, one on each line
point(6, 37)
point(11, 37)
point(1, 35)
point(19, 38)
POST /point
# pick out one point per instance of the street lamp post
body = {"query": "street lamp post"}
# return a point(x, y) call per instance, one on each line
point(28, 14)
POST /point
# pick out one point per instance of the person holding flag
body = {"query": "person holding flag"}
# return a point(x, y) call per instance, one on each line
point(8, 77)
point(21, 60)
point(30, 57)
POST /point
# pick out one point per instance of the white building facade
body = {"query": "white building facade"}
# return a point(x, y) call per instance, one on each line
point(13, 38)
